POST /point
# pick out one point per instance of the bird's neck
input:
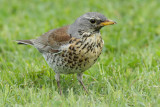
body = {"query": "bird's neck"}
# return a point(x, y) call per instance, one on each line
point(80, 32)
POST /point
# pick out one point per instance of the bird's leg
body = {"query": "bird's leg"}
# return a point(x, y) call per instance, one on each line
point(80, 77)
point(57, 77)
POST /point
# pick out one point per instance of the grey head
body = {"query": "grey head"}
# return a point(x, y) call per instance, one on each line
point(90, 22)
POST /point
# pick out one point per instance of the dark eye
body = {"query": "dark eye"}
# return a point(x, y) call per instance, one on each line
point(92, 20)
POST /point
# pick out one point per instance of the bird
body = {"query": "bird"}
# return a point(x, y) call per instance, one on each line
point(74, 48)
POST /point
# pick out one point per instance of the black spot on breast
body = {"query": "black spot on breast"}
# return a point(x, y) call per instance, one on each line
point(95, 60)
point(74, 39)
point(99, 44)
point(70, 57)
point(70, 41)
point(75, 53)
point(73, 64)
point(71, 67)
point(76, 68)
point(86, 51)
point(86, 59)
point(79, 42)
point(84, 45)
point(75, 57)
point(63, 55)
point(70, 47)
point(64, 51)
point(66, 55)
point(79, 64)
point(65, 59)
point(69, 61)
point(91, 49)
point(80, 60)
point(73, 49)
point(80, 45)
point(66, 65)
point(85, 38)
point(70, 53)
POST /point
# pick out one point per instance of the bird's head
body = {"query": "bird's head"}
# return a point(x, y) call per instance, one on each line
point(90, 22)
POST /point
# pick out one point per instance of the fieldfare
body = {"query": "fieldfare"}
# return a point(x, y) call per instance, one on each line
point(73, 48)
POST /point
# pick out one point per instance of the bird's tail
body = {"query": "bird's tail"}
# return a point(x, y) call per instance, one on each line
point(24, 42)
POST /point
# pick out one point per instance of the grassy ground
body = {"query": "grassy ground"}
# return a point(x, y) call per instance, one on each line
point(126, 74)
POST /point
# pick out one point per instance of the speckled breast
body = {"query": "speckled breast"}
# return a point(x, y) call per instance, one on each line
point(80, 55)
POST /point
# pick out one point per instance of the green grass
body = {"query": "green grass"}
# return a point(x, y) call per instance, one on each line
point(126, 74)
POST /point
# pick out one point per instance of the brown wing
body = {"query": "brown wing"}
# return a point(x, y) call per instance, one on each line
point(58, 36)
point(52, 40)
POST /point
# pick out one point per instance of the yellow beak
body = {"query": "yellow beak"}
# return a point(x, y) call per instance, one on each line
point(107, 22)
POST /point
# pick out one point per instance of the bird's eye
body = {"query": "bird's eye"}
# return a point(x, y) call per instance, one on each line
point(92, 20)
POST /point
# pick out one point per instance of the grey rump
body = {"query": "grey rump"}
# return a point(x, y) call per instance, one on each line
point(73, 48)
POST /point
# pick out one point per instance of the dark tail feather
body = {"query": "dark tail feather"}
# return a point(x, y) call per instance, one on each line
point(24, 42)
